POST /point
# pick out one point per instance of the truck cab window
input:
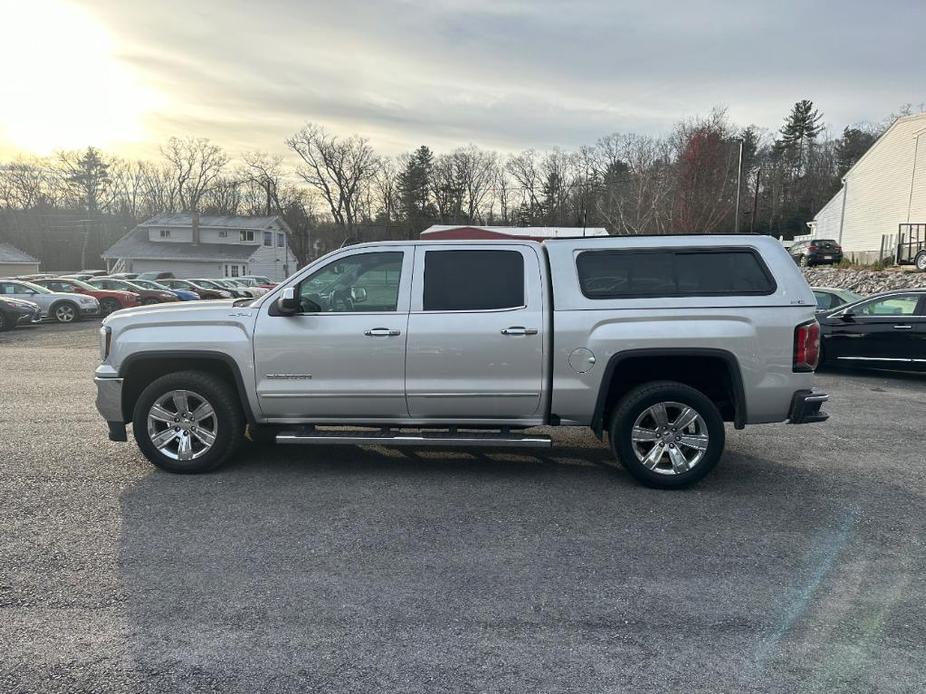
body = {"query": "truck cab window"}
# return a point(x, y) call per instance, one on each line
point(365, 282)
point(473, 280)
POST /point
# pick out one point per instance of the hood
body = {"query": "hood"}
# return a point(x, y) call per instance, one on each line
point(199, 312)
point(76, 298)
point(22, 303)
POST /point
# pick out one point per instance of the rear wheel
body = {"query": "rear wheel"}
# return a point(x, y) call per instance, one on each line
point(188, 422)
point(920, 261)
point(668, 435)
point(6, 322)
point(65, 312)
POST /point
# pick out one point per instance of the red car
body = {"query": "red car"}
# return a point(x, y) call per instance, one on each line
point(110, 299)
point(147, 296)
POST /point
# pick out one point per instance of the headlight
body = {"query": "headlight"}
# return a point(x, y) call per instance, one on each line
point(106, 341)
point(87, 300)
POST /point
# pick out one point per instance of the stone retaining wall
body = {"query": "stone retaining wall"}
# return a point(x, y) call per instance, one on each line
point(864, 281)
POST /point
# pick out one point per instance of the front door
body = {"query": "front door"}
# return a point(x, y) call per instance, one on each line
point(880, 330)
point(475, 333)
point(343, 355)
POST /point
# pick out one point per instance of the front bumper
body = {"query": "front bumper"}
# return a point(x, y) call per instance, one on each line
point(109, 404)
point(90, 310)
point(805, 407)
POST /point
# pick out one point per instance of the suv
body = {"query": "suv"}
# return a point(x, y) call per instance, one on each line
point(655, 341)
point(816, 252)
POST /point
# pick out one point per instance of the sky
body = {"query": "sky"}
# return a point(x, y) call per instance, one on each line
point(124, 75)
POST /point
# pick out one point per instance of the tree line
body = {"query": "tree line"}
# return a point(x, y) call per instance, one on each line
point(334, 189)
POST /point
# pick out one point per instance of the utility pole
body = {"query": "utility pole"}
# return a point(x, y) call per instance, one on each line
point(755, 203)
point(739, 181)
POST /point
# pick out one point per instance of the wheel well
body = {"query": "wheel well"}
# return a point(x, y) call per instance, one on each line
point(139, 373)
point(714, 375)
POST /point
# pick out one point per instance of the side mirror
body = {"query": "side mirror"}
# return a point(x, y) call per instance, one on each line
point(288, 304)
point(847, 316)
point(358, 294)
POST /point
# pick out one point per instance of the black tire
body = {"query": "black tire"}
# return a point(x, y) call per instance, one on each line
point(109, 305)
point(6, 322)
point(920, 261)
point(229, 420)
point(636, 403)
point(65, 312)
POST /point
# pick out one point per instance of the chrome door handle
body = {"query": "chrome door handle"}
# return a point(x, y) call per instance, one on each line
point(519, 330)
point(903, 327)
point(381, 332)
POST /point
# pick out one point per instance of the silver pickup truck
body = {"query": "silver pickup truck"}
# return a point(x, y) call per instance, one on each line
point(655, 341)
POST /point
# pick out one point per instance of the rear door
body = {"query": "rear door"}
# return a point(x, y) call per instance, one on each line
point(475, 333)
point(883, 329)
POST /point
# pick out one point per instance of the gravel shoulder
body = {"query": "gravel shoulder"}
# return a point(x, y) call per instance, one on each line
point(798, 565)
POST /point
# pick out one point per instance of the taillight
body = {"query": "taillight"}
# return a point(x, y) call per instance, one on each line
point(811, 248)
point(806, 346)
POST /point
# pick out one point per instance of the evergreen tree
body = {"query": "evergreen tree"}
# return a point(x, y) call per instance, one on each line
point(850, 148)
point(799, 133)
point(88, 173)
point(414, 185)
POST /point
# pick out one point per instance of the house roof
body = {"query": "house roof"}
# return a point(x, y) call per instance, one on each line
point(137, 246)
point(883, 137)
point(184, 219)
point(11, 254)
point(444, 230)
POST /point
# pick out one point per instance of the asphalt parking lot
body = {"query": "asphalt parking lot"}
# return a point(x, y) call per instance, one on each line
point(798, 565)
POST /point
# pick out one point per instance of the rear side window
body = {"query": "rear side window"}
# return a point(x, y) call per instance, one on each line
point(672, 272)
point(473, 280)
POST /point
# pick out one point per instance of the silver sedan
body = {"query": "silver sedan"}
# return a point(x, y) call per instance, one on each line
point(63, 307)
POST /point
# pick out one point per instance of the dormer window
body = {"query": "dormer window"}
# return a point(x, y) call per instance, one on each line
point(247, 235)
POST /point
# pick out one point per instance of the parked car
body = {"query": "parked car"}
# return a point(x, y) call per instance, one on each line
point(221, 285)
point(883, 331)
point(146, 296)
point(829, 298)
point(252, 287)
point(82, 276)
point(64, 307)
point(110, 299)
point(182, 294)
point(16, 311)
point(262, 281)
point(816, 252)
point(156, 276)
point(201, 290)
point(251, 283)
point(656, 340)
point(124, 275)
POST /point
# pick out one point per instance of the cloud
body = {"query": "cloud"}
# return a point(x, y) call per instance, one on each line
point(507, 74)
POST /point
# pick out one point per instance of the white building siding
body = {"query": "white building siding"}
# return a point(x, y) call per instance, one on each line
point(878, 188)
point(182, 269)
point(826, 224)
point(12, 269)
point(272, 261)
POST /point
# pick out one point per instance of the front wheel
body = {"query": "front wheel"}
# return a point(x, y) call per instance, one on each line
point(109, 305)
point(188, 421)
point(920, 261)
point(668, 435)
point(65, 312)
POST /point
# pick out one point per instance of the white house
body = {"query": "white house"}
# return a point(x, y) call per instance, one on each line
point(14, 262)
point(882, 195)
point(205, 246)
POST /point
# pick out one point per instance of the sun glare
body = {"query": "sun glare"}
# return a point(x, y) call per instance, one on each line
point(63, 85)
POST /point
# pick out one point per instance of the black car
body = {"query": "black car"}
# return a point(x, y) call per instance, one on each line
point(883, 331)
point(816, 252)
point(16, 311)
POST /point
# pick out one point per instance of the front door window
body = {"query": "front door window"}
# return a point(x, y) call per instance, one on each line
point(365, 282)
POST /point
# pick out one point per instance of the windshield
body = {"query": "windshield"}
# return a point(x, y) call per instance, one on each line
point(207, 284)
point(148, 284)
point(38, 288)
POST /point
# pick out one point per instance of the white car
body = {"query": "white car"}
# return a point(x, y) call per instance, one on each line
point(63, 307)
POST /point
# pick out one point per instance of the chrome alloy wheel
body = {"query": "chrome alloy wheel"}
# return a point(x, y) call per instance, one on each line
point(182, 425)
point(65, 313)
point(669, 438)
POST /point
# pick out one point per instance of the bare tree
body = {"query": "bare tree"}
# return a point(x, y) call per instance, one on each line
point(194, 164)
point(526, 171)
point(475, 172)
point(340, 169)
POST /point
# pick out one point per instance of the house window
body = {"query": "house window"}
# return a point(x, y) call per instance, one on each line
point(268, 238)
point(247, 235)
point(165, 233)
point(281, 240)
point(223, 234)
point(232, 270)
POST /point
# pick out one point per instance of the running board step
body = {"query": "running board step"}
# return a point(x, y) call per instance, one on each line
point(396, 438)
